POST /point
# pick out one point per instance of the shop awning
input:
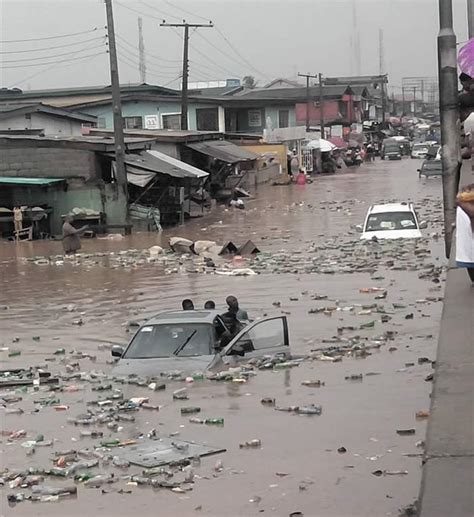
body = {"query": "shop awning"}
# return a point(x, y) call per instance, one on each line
point(29, 181)
point(144, 166)
point(223, 150)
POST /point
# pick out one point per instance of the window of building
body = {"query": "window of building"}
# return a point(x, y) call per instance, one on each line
point(101, 122)
point(283, 118)
point(207, 119)
point(132, 122)
point(171, 121)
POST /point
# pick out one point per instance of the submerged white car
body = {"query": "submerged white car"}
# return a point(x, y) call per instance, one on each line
point(392, 221)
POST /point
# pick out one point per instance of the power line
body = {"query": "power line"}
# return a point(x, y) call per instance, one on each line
point(148, 54)
point(53, 62)
point(49, 37)
point(163, 13)
point(239, 54)
point(51, 48)
point(133, 63)
point(53, 55)
point(223, 52)
point(185, 11)
point(137, 56)
point(138, 12)
point(55, 67)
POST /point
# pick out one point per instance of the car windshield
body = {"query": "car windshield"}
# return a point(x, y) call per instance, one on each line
point(392, 147)
point(390, 221)
point(420, 147)
point(166, 340)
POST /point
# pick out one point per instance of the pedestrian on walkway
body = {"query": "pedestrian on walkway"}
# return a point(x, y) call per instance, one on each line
point(465, 230)
point(71, 241)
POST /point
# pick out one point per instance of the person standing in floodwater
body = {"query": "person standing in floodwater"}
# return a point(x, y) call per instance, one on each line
point(465, 230)
point(71, 240)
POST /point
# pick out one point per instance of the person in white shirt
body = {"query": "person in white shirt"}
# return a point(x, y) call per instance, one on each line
point(465, 230)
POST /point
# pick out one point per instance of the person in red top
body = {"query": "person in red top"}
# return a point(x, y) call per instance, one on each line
point(301, 178)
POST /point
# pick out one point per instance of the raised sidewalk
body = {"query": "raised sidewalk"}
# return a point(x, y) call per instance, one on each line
point(447, 487)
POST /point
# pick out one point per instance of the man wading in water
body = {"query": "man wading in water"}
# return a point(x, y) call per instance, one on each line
point(71, 241)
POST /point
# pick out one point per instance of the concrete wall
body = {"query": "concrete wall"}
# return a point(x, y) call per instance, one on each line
point(76, 194)
point(47, 162)
point(50, 124)
point(255, 178)
point(272, 112)
point(141, 109)
point(279, 150)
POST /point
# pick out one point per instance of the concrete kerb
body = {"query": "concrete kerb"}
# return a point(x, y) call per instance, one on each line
point(448, 471)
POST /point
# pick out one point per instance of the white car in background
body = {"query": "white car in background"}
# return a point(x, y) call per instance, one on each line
point(392, 221)
point(420, 149)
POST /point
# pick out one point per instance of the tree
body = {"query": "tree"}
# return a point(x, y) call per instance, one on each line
point(249, 81)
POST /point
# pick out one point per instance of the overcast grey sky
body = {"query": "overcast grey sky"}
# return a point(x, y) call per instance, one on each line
point(264, 38)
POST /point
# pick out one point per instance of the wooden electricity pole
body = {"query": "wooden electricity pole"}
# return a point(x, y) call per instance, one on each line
point(184, 88)
point(119, 141)
point(308, 98)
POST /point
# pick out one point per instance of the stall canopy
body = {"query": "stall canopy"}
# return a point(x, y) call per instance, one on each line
point(144, 166)
point(223, 150)
point(26, 182)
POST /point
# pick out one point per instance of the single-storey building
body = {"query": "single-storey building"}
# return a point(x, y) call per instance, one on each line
point(43, 119)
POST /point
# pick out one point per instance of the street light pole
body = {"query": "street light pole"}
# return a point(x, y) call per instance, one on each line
point(449, 112)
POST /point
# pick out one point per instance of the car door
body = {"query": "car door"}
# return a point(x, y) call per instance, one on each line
point(262, 337)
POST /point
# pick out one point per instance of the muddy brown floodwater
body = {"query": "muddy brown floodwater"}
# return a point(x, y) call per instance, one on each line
point(361, 416)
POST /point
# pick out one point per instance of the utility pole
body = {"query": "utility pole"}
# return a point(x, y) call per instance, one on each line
point(119, 141)
point(449, 112)
point(321, 105)
point(141, 52)
point(184, 88)
point(470, 18)
point(308, 98)
point(414, 101)
point(403, 101)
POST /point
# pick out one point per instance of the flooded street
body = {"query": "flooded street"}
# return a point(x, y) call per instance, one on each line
point(309, 251)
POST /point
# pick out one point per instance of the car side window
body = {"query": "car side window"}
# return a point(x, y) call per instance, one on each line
point(219, 326)
point(264, 335)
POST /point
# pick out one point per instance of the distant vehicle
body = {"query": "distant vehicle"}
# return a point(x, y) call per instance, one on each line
point(434, 152)
point(391, 150)
point(420, 149)
point(190, 341)
point(392, 221)
point(432, 167)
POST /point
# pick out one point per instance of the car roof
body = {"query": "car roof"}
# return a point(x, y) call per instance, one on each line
point(197, 316)
point(391, 207)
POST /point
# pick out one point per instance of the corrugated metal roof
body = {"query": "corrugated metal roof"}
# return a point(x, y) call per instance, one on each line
point(159, 163)
point(223, 150)
point(291, 93)
point(10, 180)
point(8, 110)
